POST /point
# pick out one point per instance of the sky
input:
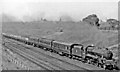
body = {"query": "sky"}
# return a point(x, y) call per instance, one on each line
point(53, 9)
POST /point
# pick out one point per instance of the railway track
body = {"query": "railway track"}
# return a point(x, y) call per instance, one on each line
point(31, 59)
point(67, 65)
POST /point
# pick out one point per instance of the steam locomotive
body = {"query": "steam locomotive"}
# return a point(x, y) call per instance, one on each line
point(89, 54)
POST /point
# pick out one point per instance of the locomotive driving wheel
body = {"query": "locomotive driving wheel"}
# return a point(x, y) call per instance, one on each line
point(109, 67)
point(88, 61)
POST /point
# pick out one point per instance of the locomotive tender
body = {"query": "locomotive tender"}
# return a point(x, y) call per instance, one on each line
point(88, 54)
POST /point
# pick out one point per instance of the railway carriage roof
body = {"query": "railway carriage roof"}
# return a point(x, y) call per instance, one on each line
point(21, 37)
point(64, 43)
point(33, 37)
point(40, 38)
point(4, 34)
point(45, 39)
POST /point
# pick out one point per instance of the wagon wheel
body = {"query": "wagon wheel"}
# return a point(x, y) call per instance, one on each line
point(73, 57)
point(116, 68)
point(51, 50)
point(89, 61)
point(96, 64)
point(46, 49)
point(80, 58)
point(85, 60)
point(70, 56)
point(103, 66)
point(61, 53)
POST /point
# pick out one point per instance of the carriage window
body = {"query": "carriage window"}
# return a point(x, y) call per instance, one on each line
point(44, 42)
point(55, 45)
point(66, 47)
point(62, 46)
point(40, 41)
point(48, 43)
point(58, 45)
point(76, 50)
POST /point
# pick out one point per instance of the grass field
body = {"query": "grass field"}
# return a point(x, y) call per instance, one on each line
point(76, 32)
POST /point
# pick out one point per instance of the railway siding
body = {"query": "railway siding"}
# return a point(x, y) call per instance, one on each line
point(11, 57)
point(40, 63)
point(19, 61)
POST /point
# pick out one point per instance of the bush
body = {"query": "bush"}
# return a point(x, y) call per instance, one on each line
point(113, 23)
point(92, 20)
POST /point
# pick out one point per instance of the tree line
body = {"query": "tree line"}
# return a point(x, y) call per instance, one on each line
point(95, 21)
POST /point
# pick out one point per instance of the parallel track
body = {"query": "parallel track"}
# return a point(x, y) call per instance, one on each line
point(32, 59)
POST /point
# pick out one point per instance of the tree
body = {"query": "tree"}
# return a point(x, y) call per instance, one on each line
point(92, 20)
point(44, 19)
point(60, 19)
point(113, 23)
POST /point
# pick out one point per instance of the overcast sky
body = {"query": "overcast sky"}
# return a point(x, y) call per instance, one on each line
point(52, 10)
